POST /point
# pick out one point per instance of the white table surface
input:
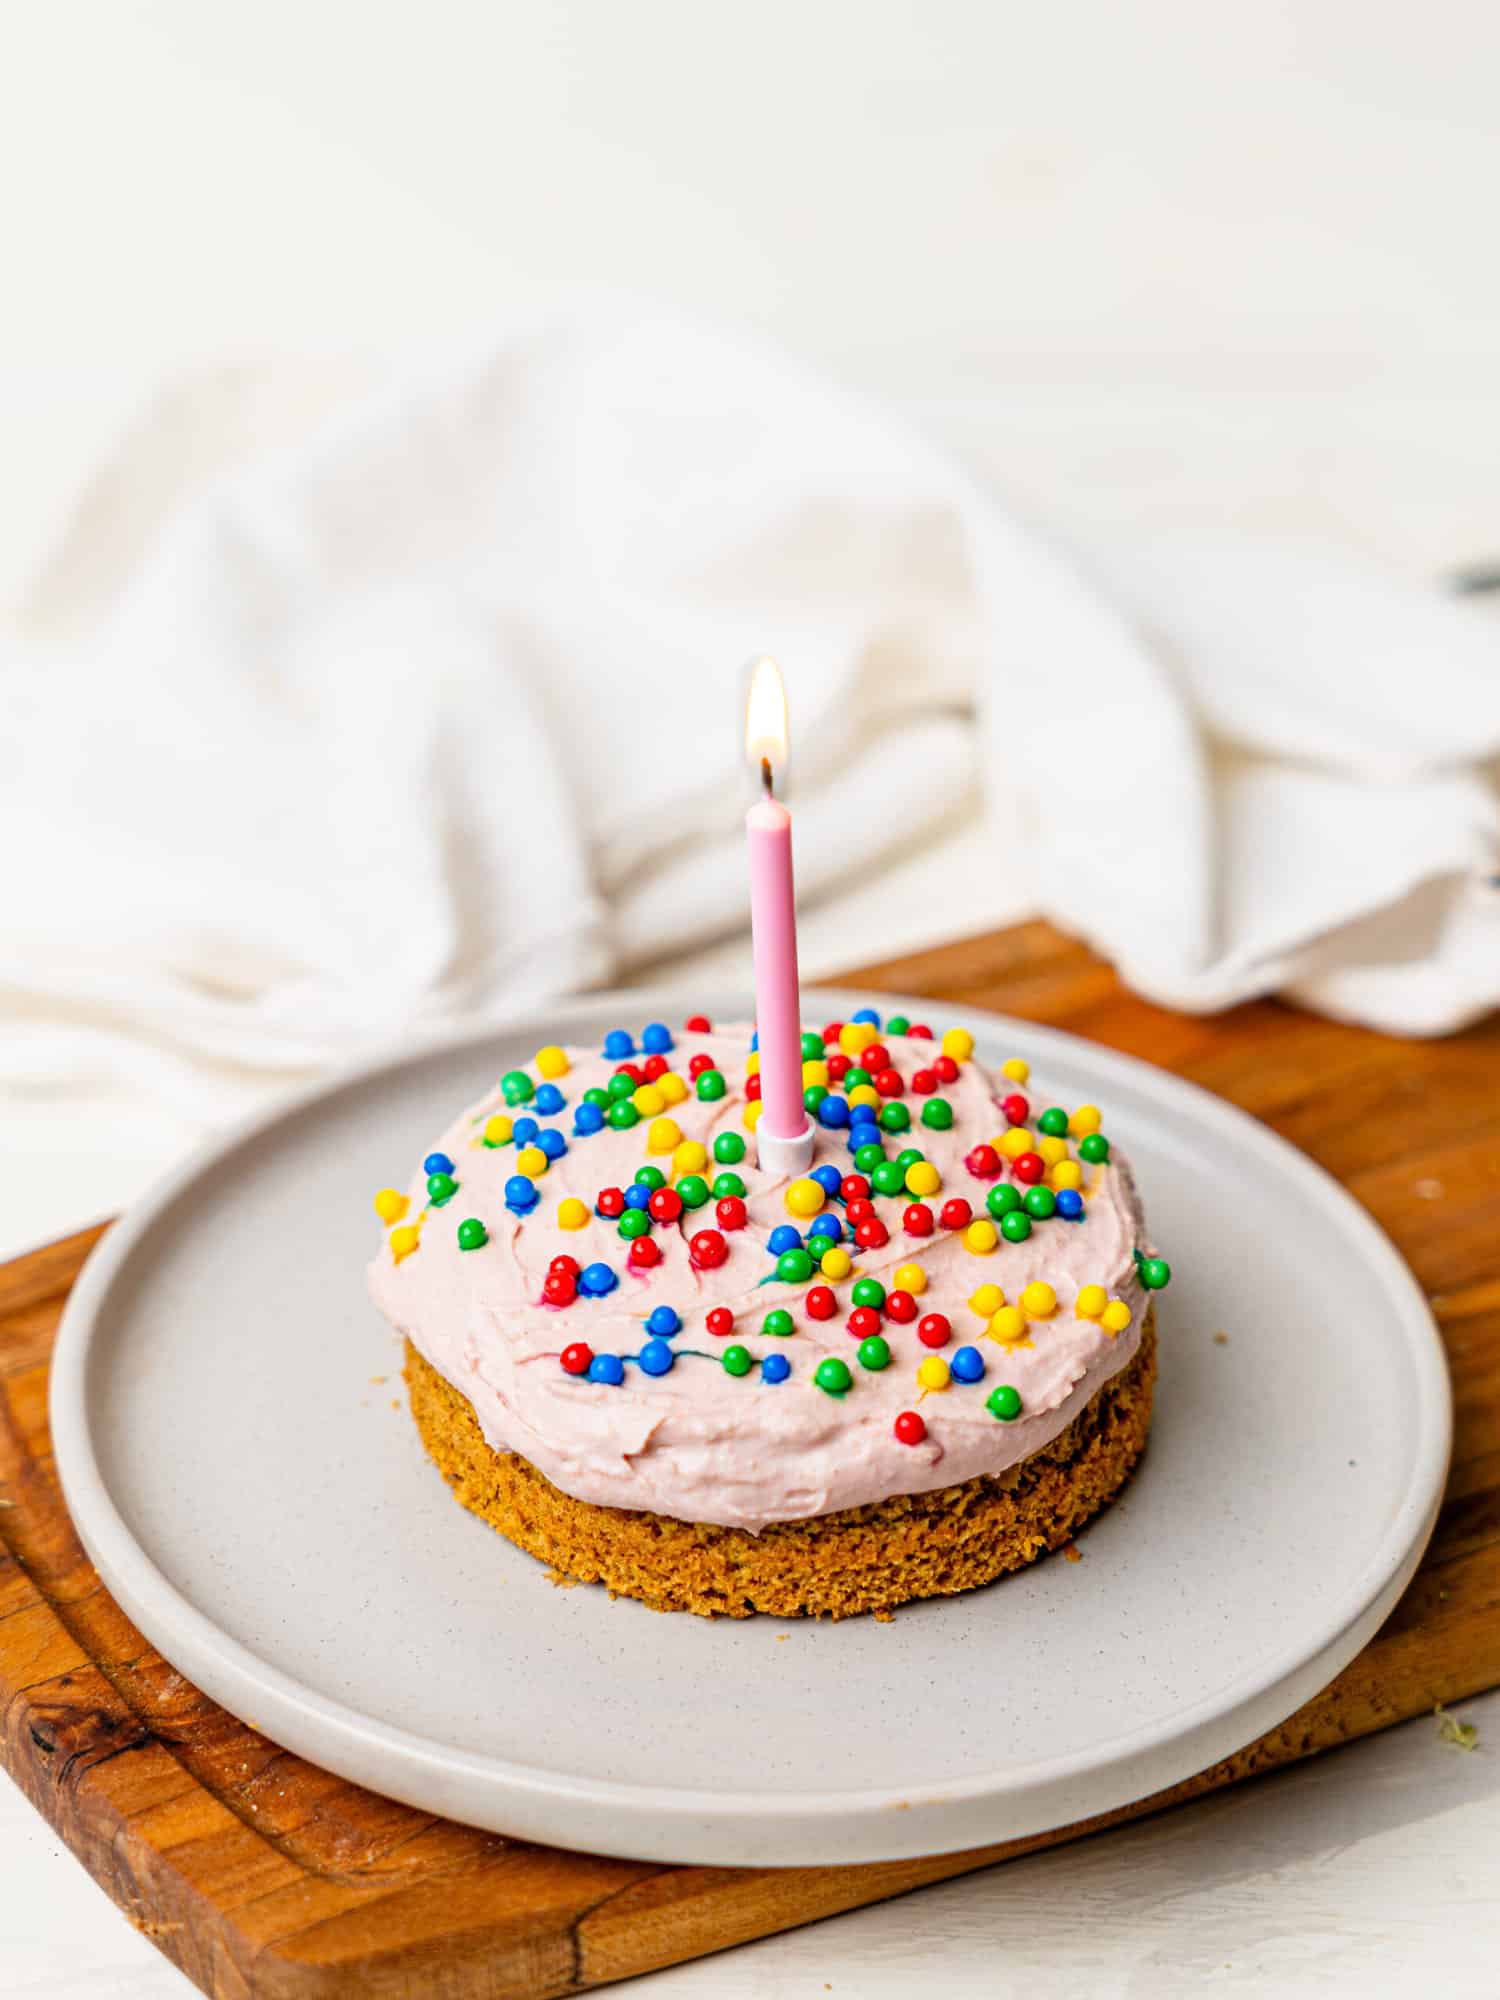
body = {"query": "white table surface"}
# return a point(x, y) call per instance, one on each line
point(1143, 267)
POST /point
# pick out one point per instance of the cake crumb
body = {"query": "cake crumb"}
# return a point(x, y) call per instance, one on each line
point(782, 1637)
point(1429, 1190)
point(395, 1402)
point(1071, 1552)
point(1462, 1735)
point(560, 1582)
point(1221, 1340)
point(377, 1380)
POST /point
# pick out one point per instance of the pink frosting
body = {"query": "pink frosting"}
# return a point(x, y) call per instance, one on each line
point(699, 1443)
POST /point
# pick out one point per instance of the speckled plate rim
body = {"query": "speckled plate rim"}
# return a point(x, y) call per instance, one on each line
point(741, 1828)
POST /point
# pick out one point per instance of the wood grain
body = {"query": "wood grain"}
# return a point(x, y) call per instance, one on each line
point(261, 1875)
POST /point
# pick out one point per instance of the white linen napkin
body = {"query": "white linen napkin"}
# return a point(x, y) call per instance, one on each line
point(436, 712)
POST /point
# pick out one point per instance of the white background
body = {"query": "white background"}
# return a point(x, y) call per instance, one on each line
point(1141, 265)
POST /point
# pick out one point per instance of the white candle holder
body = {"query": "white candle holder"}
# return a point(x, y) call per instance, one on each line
point(784, 1159)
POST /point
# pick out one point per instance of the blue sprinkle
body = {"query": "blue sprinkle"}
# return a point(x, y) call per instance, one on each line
point(825, 1225)
point(549, 1100)
point(1070, 1204)
point(775, 1368)
point(595, 1281)
point(607, 1368)
point(618, 1045)
point(755, 1040)
point(637, 1196)
point(524, 1131)
point(656, 1358)
point(967, 1365)
point(866, 1014)
point(656, 1038)
point(834, 1112)
point(782, 1238)
point(437, 1163)
point(827, 1178)
point(552, 1143)
point(663, 1321)
point(520, 1194)
point(588, 1119)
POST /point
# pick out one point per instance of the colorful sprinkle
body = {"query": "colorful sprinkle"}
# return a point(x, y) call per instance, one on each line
point(833, 1377)
point(778, 1324)
point(980, 1237)
point(1038, 1300)
point(875, 1353)
point(908, 1427)
point(391, 1204)
point(618, 1044)
point(835, 1263)
point(805, 1197)
point(821, 1303)
point(663, 1322)
point(472, 1235)
point(934, 1330)
point(1008, 1327)
point(737, 1360)
point(1086, 1119)
point(1155, 1273)
point(729, 1149)
point(403, 1241)
point(693, 1189)
point(656, 1358)
point(795, 1267)
point(576, 1357)
point(775, 1368)
point(597, 1281)
point(720, 1322)
point(868, 1292)
point(1094, 1148)
point(910, 1278)
point(1115, 1316)
point(933, 1373)
point(1053, 1121)
point(1091, 1301)
point(938, 1113)
point(967, 1365)
point(664, 1135)
point(1040, 1203)
point(1017, 1069)
point(1004, 1402)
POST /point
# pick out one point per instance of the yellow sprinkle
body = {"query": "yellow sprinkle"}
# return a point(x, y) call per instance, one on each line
point(804, 1197)
point(689, 1158)
point(390, 1204)
point(532, 1162)
point(552, 1061)
point(672, 1087)
point(933, 1372)
point(1091, 1301)
point(1015, 1142)
point(663, 1135)
point(572, 1214)
point(864, 1093)
point(959, 1044)
point(752, 1063)
point(1053, 1151)
point(497, 1130)
point(403, 1242)
point(814, 1072)
point(752, 1114)
point(1087, 1118)
point(1008, 1326)
point(836, 1263)
point(923, 1178)
point(981, 1236)
point(1017, 1069)
point(1115, 1316)
point(856, 1036)
point(648, 1100)
point(1066, 1174)
point(1038, 1300)
point(910, 1278)
point(986, 1301)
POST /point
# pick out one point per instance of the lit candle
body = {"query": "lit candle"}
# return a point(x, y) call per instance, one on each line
point(784, 1135)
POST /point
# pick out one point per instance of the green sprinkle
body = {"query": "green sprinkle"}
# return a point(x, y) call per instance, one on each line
point(597, 1097)
point(634, 1222)
point(1002, 1200)
point(441, 1188)
point(938, 1113)
point(650, 1177)
point(868, 1157)
point(472, 1235)
point(888, 1178)
point(516, 1087)
point(833, 1377)
point(897, 1025)
point(1004, 1403)
point(726, 1185)
point(854, 1077)
point(778, 1323)
point(1155, 1273)
point(623, 1114)
point(620, 1086)
point(868, 1292)
point(909, 1156)
point(693, 1189)
point(812, 1046)
point(875, 1353)
point(1016, 1226)
point(1054, 1122)
point(794, 1267)
point(729, 1149)
point(711, 1086)
point(737, 1360)
point(1040, 1202)
point(1094, 1149)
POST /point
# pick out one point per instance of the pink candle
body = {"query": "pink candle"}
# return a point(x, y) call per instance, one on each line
point(783, 1137)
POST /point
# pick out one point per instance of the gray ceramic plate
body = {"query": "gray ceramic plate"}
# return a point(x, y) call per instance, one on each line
point(270, 1521)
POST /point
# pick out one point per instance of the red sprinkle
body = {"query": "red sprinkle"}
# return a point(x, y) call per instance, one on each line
point(708, 1250)
point(633, 1070)
point(900, 1306)
point(947, 1069)
point(872, 1234)
point(956, 1214)
point(919, 1031)
point(570, 1265)
point(1029, 1168)
point(611, 1201)
point(559, 1290)
point(699, 1063)
point(730, 1212)
point(832, 1032)
point(576, 1357)
point(698, 1024)
point(821, 1303)
point(862, 1322)
point(924, 1083)
point(888, 1082)
point(720, 1322)
point(644, 1253)
point(876, 1056)
point(934, 1330)
point(917, 1220)
point(854, 1187)
point(752, 1087)
point(653, 1067)
point(839, 1066)
point(1016, 1109)
point(859, 1210)
point(665, 1205)
point(983, 1163)
point(909, 1428)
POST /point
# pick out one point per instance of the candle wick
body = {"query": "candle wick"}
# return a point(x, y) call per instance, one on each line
point(765, 775)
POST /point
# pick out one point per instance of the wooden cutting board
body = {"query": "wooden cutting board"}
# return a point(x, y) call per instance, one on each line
point(260, 1875)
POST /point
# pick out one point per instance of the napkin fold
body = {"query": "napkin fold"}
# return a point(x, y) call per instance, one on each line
point(435, 712)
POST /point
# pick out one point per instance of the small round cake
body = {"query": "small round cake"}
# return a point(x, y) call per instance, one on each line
point(927, 1361)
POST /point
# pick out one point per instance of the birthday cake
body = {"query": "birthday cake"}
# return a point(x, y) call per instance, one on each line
point(925, 1362)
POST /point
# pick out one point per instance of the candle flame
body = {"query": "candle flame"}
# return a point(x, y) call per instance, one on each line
point(765, 720)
